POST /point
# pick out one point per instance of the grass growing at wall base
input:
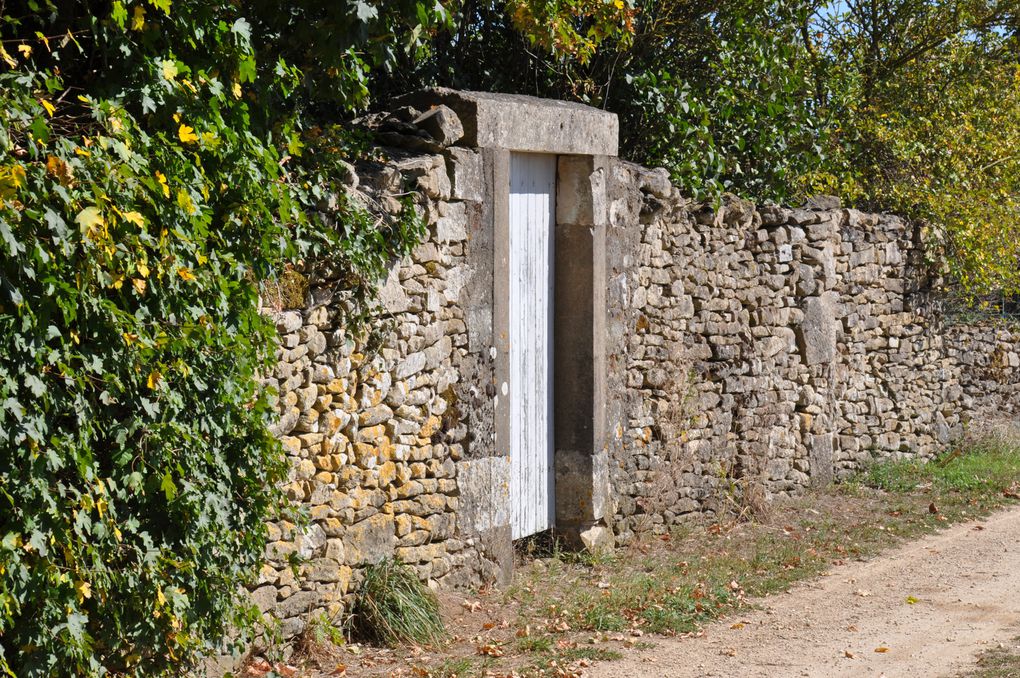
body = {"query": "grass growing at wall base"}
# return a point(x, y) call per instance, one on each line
point(675, 583)
point(395, 607)
point(982, 470)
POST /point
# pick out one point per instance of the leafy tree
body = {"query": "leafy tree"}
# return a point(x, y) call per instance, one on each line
point(145, 194)
point(717, 92)
point(923, 101)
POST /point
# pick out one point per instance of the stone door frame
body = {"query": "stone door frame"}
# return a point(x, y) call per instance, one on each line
point(585, 140)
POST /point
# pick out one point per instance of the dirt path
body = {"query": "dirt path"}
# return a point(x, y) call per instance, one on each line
point(966, 583)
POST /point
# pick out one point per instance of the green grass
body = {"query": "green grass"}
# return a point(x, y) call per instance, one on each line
point(1002, 662)
point(978, 477)
point(535, 644)
point(560, 658)
point(455, 667)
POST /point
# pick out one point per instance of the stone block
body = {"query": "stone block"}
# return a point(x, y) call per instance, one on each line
point(466, 174)
point(485, 491)
point(816, 334)
point(820, 454)
point(370, 540)
point(442, 124)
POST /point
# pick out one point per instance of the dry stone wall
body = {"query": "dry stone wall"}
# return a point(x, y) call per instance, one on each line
point(988, 353)
point(760, 350)
point(374, 428)
point(750, 351)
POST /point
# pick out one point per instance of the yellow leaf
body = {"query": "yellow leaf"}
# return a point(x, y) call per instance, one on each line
point(91, 222)
point(153, 381)
point(236, 90)
point(26, 50)
point(139, 285)
point(129, 337)
point(11, 178)
point(83, 589)
point(75, 337)
point(187, 134)
point(160, 597)
point(7, 58)
point(138, 18)
point(161, 178)
point(60, 170)
point(116, 534)
point(143, 269)
point(101, 506)
point(50, 108)
point(118, 282)
point(186, 274)
point(135, 218)
point(169, 70)
point(184, 201)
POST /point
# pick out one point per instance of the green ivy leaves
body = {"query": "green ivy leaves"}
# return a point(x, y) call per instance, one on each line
point(143, 198)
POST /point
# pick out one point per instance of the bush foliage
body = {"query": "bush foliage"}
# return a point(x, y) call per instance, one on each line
point(902, 105)
point(153, 173)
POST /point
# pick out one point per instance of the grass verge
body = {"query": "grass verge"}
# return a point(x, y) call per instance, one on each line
point(1000, 662)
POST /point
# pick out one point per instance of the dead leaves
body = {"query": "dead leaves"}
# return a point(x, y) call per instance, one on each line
point(259, 667)
point(490, 650)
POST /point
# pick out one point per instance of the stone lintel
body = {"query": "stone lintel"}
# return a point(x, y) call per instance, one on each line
point(526, 124)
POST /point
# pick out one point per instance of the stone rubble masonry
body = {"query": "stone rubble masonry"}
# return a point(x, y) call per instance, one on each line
point(376, 429)
point(747, 348)
point(761, 350)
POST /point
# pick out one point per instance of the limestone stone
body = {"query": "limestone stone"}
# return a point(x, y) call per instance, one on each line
point(465, 169)
point(442, 124)
point(816, 335)
point(370, 540)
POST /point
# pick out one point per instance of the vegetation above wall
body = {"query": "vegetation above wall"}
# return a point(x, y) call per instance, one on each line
point(908, 106)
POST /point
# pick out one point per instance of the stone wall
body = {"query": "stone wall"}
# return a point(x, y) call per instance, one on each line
point(375, 427)
point(761, 350)
point(988, 353)
point(718, 356)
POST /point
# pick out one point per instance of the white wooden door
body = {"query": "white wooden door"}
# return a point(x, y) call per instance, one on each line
point(532, 210)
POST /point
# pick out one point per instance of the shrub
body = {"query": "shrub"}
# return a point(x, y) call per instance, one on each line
point(145, 194)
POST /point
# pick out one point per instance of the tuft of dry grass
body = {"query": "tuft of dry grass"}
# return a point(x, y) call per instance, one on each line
point(395, 607)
